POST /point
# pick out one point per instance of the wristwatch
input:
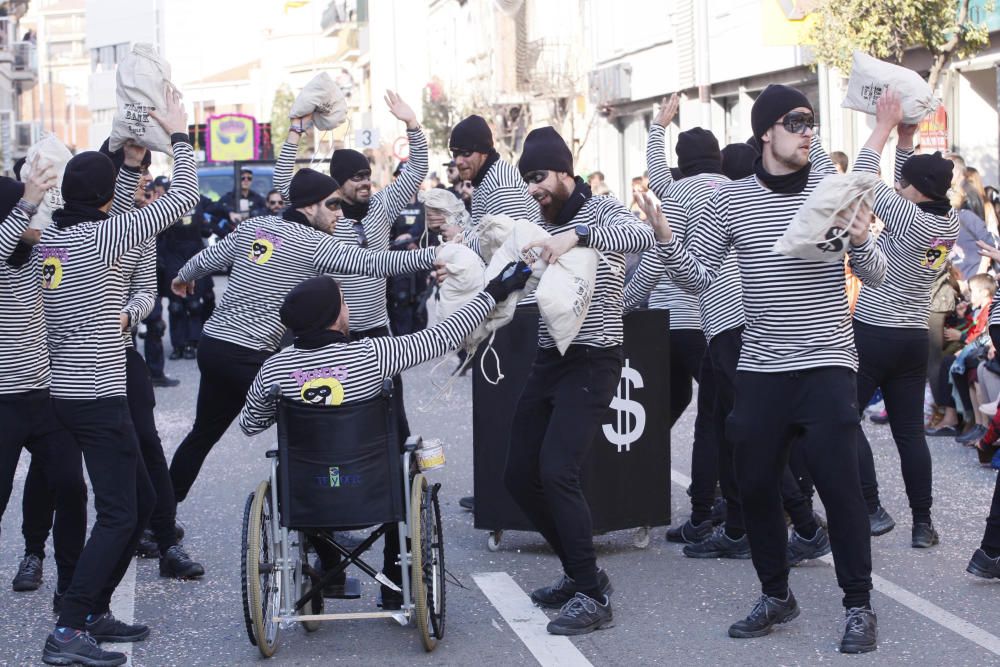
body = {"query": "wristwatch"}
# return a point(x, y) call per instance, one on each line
point(582, 236)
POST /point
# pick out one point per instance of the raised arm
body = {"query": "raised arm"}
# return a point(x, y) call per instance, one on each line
point(398, 194)
point(649, 272)
point(13, 226)
point(335, 257)
point(125, 189)
point(660, 178)
point(286, 164)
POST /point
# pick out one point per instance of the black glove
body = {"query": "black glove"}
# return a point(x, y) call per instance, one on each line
point(513, 277)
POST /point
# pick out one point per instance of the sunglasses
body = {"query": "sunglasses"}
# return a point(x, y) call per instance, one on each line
point(458, 153)
point(274, 202)
point(797, 122)
point(536, 177)
point(246, 178)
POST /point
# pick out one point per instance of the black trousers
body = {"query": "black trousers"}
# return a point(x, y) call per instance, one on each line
point(227, 371)
point(27, 420)
point(687, 350)
point(894, 359)
point(555, 422)
point(991, 538)
point(817, 410)
point(153, 343)
point(123, 497)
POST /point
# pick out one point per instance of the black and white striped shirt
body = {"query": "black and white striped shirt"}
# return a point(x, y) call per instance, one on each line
point(365, 295)
point(614, 231)
point(502, 191)
point(268, 257)
point(83, 286)
point(344, 373)
point(24, 359)
point(916, 245)
point(139, 264)
point(797, 315)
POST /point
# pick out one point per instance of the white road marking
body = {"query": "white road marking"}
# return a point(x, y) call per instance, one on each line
point(123, 608)
point(912, 601)
point(528, 621)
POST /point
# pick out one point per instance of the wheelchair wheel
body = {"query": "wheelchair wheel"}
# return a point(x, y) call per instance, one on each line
point(425, 559)
point(263, 577)
point(433, 560)
point(243, 569)
point(315, 604)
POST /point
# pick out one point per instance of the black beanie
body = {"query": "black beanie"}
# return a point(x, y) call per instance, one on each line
point(545, 150)
point(309, 187)
point(772, 104)
point(346, 162)
point(11, 192)
point(471, 134)
point(118, 156)
point(698, 152)
point(676, 173)
point(929, 174)
point(737, 161)
point(312, 305)
point(89, 179)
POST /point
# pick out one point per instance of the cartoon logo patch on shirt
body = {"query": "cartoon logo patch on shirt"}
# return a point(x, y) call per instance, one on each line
point(321, 386)
point(937, 254)
point(52, 267)
point(263, 246)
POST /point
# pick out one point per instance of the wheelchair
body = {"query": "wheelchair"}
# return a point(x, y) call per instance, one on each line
point(339, 468)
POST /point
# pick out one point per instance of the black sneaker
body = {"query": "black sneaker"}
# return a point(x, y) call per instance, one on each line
point(147, 547)
point(177, 564)
point(861, 633)
point(800, 549)
point(165, 381)
point(923, 536)
point(467, 503)
point(190, 352)
point(29, 574)
point(983, 566)
point(766, 613)
point(719, 545)
point(80, 648)
point(690, 533)
point(176, 354)
point(719, 511)
point(582, 614)
point(557, 595)
point(880, 521)
point(107, 628)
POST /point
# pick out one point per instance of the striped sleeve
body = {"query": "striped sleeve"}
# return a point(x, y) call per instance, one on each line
point(398, 194)
point(902, 155)
point(259, 411)
point(647, 275)
point(142, 292)
point(898, 213)
point(218, 257)
point(396, 354)
point(335, 257)
point(125, 187)
point(694, 268)
point(10, 231)
point(617, 230)
point(660, 178)
point(284, 167)
point(868, 262)
point(117, 235)
point(819, 158)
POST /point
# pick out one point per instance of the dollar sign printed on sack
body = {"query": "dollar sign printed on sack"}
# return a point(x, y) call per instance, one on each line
point(631, 416)
point(833, 243)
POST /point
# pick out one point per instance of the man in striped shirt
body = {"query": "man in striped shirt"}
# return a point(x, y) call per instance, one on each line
point(268, 256)
point(890, 321)
point(796, 379)
point(567, 395)
point(325, 366)
point(25, 407)
point(80, 258)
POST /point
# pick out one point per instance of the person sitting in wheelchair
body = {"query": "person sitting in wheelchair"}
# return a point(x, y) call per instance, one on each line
point(323, 367)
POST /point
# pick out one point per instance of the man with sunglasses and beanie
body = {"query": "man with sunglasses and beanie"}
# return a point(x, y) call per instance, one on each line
point(567, 395)
point(268, 256)
point(235, 207)
point(81, 260)
point(890, 321)
point(796, 378)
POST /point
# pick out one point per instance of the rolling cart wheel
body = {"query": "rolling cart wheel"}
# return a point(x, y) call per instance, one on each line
point(315, 604)
point(418, 585)
point(493, 540)
point(263, 577)
point(247, 619)
point(640, 539)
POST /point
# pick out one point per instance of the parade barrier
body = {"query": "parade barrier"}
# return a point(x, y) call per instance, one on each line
point(626, 475)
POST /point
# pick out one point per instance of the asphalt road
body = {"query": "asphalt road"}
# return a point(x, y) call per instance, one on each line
point(668, 609)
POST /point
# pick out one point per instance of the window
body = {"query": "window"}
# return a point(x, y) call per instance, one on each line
point(104, 58)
